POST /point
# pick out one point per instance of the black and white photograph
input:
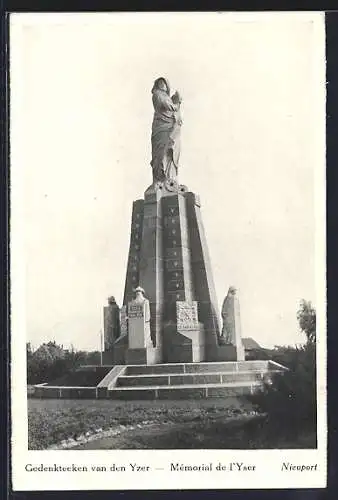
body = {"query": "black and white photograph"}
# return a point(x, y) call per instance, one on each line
point(168, 289)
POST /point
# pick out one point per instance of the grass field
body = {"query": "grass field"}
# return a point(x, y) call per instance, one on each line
point(217, 424)
point(51, 421)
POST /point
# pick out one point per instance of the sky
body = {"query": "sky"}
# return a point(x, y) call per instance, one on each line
point(253, 102)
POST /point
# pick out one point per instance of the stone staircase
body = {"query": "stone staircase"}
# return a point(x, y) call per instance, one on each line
point(191, 380)
point(169, 381)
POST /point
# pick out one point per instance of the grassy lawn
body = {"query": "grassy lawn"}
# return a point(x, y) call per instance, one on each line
point(205, 424)
point(53, 420)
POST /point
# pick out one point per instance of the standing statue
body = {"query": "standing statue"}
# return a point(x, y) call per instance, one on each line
point(139, 321)
point(166, 128)
point(111, 323)
point(231, 318)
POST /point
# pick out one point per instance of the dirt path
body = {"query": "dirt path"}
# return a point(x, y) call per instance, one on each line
point(129, 439)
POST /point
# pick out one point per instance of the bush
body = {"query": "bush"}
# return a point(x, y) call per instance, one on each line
point(289, 402)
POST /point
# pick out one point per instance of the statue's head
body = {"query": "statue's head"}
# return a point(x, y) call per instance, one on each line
point(111, 300)
point(232, 290)
point(161, 84)
point(139, 291)
point(177, 97)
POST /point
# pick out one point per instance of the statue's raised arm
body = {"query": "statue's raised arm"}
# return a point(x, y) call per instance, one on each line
point(165, 137)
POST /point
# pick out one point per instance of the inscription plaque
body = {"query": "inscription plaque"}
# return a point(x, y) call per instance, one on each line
point(187, 316)
point(135, 311)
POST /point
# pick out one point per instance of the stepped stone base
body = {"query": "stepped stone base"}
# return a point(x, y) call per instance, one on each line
point(148, 356)
point(183, 392)
point(171, 381)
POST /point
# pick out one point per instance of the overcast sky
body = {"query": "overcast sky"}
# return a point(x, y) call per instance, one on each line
point(251, 93)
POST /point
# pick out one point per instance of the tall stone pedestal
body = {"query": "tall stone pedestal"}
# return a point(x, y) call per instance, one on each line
point(169, 258)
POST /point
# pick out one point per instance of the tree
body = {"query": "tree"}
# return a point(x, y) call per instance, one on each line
point(306, 316)
point(50, 361)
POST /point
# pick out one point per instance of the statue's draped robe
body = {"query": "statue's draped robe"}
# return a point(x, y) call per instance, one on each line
point(165, 136)
point(228, 330)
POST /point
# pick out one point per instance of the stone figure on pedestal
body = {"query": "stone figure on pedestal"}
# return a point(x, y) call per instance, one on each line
point(111, 323)
point(169, 256)
point(231, 332)
point(139, 321)
point(166, 128)
point(230, 316)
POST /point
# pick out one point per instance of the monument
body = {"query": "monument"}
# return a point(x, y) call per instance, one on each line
point(165, 342)
point(169, 258)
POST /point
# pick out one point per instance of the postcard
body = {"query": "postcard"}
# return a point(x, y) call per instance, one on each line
point(168, 281)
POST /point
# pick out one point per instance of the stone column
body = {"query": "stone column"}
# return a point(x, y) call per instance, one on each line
point(151, 261)
point(205, 291)
point(133, 265)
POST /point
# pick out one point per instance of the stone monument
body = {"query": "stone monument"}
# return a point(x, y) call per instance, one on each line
point(165, 340)
point(169, 258)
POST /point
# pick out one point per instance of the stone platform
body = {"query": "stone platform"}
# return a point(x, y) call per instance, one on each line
point(174, 381)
